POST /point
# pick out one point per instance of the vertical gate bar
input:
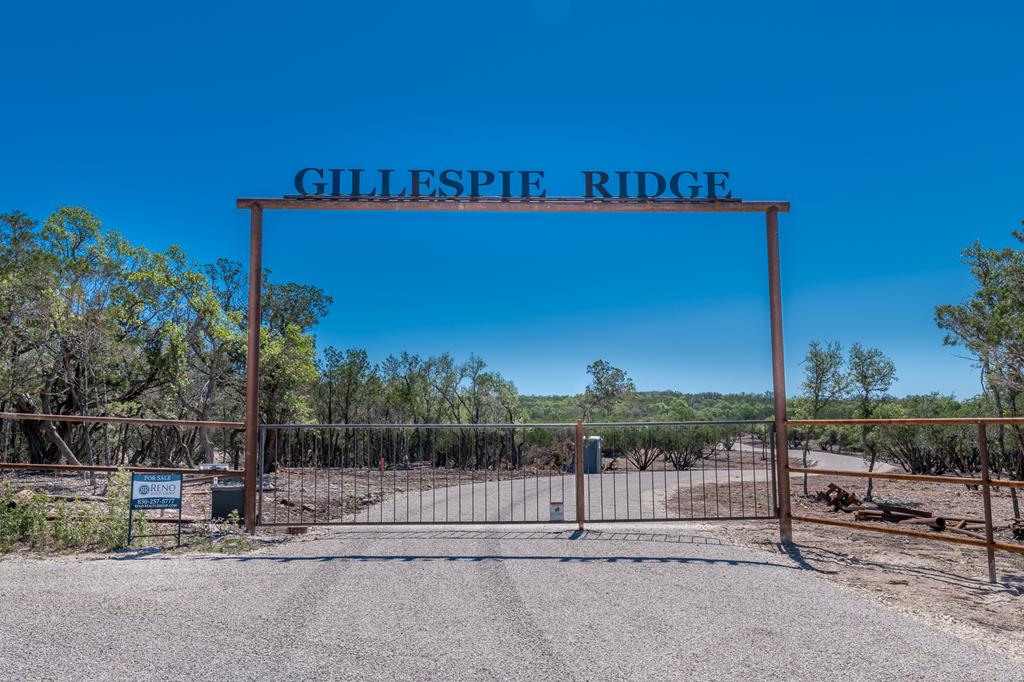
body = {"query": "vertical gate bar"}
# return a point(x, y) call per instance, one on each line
point(341, 485)
point(771, 465)
point(753, 466)
point(394, 479)
point(627, 485)
point(329, 459)
point(590, 503)
point(615, 492)
point(718, 492)
point(302, 476)
point(458, 483)
point(288, 476)
point(690, 488)
point(778, 376)
point(277, 477)
point(447, 488)
point(664, 477)
point(472, 484)
point(703, 485)
point(260, 486)
point(654, 512)
point(679, 500)
point(640, 493)
point(252, 365)
point(316, 474)
point(524, 473)
point(728, 479)
point(368, 439)
point(550, 485)
point(310, 446)
point(536, 486)
point(579, 474)
point(986, 493)
point(743, 490)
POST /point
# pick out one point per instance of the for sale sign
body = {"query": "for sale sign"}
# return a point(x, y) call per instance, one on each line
point(156, 491)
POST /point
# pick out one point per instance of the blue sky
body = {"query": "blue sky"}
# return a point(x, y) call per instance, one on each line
point(893, 128)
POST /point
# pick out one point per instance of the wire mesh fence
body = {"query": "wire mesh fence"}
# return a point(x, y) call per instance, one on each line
point(513, 473)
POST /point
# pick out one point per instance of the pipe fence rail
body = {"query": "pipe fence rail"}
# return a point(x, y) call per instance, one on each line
point(119, 442)
point(977, 458)
point(74, 457)
point(333, 474)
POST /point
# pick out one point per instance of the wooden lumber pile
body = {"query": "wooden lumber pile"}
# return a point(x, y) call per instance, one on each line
point(842, 500)
point(839, 499)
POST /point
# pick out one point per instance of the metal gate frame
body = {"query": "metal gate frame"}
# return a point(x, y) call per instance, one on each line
point(256, 206)
point(321, 466)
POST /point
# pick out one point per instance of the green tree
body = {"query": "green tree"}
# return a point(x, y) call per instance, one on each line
point(608, 384)
point(870, 376)
point(990, 327)
point(824, 383)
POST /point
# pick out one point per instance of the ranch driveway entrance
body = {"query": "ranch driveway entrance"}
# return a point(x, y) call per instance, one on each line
point(621, 602)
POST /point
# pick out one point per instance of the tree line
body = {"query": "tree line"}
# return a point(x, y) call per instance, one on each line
point(95, 325)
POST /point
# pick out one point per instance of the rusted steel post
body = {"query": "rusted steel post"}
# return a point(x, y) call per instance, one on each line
point(986, 494)
point(778, 376)
point(579, 474)
point(252, 365)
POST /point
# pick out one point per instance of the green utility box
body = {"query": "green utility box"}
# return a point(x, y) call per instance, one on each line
point(227, 498)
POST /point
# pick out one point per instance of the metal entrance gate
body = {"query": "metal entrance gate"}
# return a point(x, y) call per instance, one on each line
point(515, 473)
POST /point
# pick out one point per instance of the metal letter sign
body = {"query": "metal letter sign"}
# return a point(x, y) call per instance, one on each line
point(155, 491)
point(682, 185)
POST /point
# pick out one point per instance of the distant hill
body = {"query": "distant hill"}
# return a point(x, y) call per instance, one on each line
point(651, 406)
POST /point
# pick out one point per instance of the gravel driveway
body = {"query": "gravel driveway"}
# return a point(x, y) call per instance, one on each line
point(475, 603)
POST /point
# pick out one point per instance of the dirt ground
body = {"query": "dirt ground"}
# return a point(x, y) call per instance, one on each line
point(943, 583)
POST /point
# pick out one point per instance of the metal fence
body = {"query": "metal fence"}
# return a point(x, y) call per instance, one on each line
point(118, 441)
point(976, 459)
point(514, 473)
point(35, 449)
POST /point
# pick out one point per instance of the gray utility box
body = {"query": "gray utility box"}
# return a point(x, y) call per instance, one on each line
point(592, 455)
point(227, 498)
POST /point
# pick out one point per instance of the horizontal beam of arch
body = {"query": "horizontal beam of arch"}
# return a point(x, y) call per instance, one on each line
point(511, 204)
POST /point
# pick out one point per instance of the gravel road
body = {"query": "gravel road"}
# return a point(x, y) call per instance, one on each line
point(475, 603)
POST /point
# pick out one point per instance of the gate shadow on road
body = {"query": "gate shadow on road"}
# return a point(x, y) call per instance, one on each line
point(574, 537)
point(400, 558)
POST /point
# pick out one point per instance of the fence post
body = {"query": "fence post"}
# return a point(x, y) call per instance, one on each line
point(778, 376)
point(986, 494)
point(579, 473)
point(252, 365)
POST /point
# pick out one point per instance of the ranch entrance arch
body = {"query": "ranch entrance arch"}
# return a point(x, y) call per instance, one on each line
point(256, 207)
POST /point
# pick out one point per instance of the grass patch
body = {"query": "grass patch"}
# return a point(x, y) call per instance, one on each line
point(33, 520)
point(36, 522)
